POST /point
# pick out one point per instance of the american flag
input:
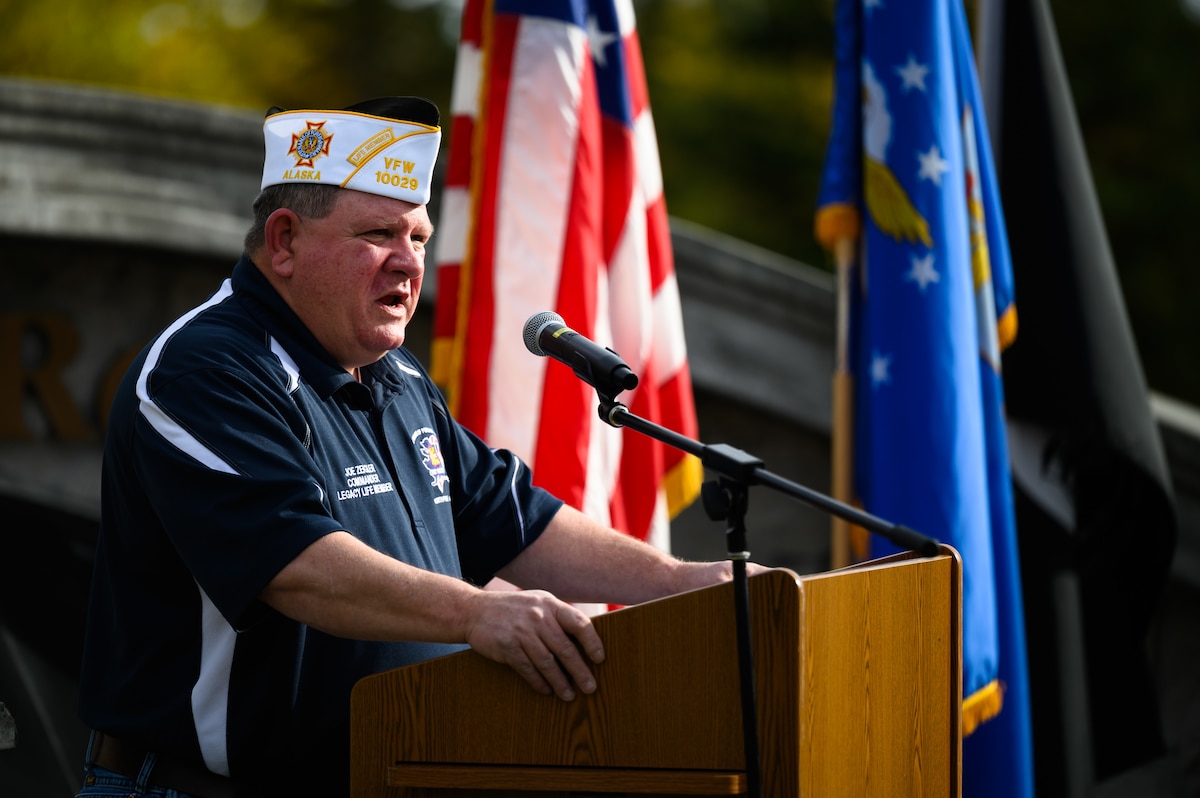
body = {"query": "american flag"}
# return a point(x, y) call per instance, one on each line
point(553, 200)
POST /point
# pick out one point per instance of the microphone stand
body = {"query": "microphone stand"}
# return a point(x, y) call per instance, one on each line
point(728, 499)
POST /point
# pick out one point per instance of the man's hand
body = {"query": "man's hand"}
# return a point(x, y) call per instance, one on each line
point(541, 638)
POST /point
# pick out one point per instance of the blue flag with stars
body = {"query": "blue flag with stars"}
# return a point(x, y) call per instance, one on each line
point(931, 309)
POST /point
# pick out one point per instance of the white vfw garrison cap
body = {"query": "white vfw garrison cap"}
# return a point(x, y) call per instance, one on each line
point(385, 146)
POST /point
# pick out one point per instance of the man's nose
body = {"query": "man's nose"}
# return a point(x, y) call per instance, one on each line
point(407, 257)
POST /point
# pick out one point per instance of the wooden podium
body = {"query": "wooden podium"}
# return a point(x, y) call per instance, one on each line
point(858, 684)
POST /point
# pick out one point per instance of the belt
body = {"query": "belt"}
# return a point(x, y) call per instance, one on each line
point(169, 772)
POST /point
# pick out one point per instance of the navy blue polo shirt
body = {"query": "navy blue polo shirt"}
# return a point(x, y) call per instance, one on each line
point(234, 442)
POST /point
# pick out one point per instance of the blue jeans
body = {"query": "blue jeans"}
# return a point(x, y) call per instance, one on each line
point(101, 783)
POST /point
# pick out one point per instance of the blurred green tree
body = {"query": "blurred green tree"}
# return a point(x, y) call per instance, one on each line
point(252, 53)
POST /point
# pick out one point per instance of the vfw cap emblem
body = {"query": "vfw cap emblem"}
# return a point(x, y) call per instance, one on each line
point(311, 143)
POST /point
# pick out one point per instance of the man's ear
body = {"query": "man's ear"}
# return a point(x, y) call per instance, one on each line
point(280, 233)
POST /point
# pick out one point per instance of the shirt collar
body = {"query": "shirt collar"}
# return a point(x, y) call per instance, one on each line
point(317, 367)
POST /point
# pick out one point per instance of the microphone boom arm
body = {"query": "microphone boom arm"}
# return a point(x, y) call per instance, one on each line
point(736, 465)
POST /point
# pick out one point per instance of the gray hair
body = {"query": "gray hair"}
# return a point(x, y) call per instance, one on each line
point(314, 201)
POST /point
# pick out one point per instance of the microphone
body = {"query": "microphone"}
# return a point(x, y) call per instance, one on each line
point(546, 334)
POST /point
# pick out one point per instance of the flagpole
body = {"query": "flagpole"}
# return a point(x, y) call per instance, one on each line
point(838, 228)
point(842, 551)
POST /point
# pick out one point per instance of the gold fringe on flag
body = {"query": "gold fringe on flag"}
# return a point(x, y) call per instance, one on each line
point(981, 706)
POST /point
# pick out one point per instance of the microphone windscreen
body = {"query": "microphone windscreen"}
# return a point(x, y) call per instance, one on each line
point(533, 330)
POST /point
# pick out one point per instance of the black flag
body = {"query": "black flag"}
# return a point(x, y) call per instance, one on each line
point(1095, 508)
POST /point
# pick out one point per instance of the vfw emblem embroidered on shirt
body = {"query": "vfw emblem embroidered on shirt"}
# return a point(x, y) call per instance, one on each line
point(426, 442)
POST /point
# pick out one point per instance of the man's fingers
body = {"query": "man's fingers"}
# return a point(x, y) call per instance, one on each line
point(527, 671)
point(556, 659)
point(551, 645)
point(579, 626)
point(548, 665)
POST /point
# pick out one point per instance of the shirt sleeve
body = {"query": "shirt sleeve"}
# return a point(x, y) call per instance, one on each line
point(222, 459)
point(498, 510)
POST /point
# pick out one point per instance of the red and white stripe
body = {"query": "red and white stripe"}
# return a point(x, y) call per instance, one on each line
point(549, 204)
